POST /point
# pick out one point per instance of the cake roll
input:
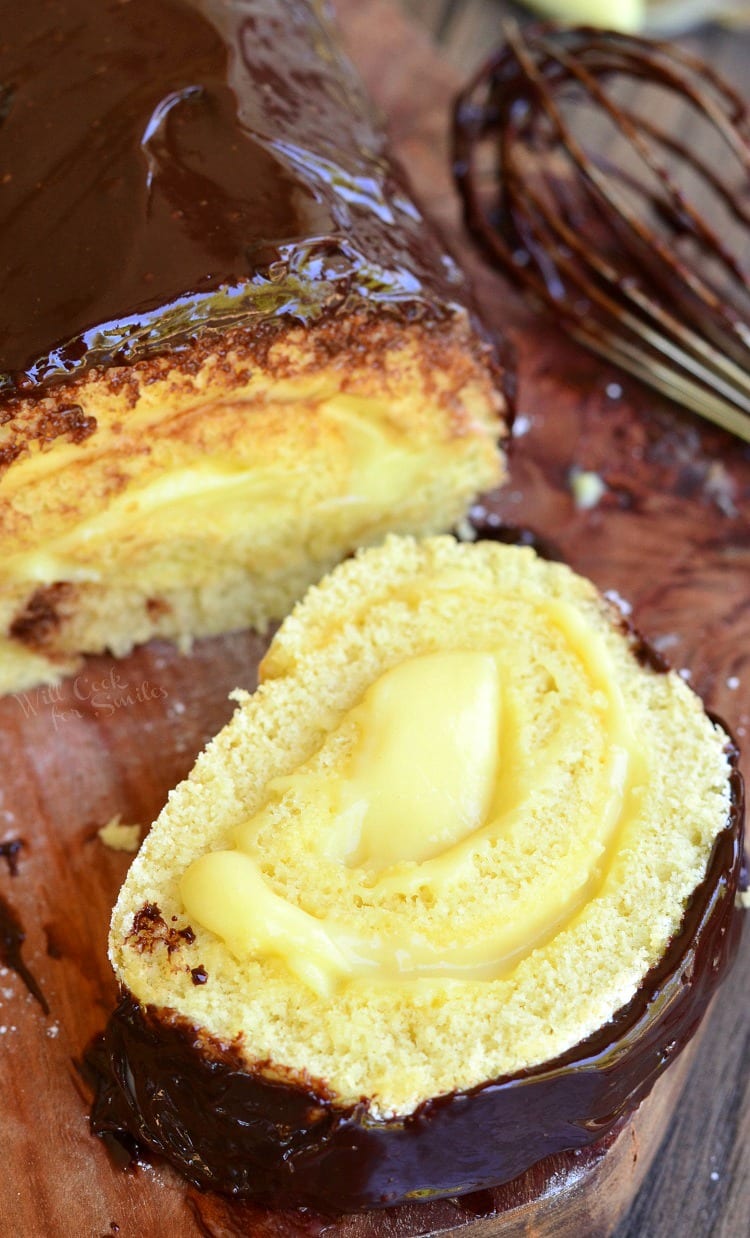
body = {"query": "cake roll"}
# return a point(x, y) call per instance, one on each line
point(231, 347)
point(445, 897)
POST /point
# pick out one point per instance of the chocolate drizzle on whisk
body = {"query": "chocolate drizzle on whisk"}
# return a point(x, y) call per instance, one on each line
point(635, 240)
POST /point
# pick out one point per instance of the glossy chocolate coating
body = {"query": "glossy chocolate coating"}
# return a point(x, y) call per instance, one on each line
point(171, 1087)
point(12, 935)
point(174, 166)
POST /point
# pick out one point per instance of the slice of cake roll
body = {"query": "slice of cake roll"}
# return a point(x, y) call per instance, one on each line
point(446, 896)
point(231, 348)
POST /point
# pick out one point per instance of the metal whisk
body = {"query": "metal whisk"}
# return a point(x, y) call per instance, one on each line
point(634, 239)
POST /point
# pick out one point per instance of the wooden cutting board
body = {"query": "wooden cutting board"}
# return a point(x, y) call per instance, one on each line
point(671, 534)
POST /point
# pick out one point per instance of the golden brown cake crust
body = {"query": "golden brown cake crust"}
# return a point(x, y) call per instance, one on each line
point(361, 341)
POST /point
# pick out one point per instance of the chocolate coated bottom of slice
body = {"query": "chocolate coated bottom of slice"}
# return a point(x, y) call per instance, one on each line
point(170, 1087)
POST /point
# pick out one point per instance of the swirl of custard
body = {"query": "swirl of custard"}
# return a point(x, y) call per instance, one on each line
point(462, 813)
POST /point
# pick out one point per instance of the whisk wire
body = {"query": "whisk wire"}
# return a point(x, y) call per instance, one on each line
point(619, 285)
point(736, 380)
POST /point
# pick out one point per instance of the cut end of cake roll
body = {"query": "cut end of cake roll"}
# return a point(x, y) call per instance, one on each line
point(219, 485)
point(246, 354)
point(431, 877)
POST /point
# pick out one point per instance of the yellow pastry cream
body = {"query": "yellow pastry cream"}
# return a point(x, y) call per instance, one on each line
point(445, 840)
point(444, 766)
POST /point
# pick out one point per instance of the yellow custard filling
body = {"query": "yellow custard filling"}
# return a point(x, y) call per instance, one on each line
point(186, 521)
point(439, 772)
point(444, 841)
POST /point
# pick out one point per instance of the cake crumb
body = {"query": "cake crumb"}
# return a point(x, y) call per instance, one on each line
point(119, 837)
point(720, 487)
point(622, 604)
point(587, 488)
point(465, 531)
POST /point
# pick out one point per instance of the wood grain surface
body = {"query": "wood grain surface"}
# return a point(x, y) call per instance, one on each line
point(671, 534)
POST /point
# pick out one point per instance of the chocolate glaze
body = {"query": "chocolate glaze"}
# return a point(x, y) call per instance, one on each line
point(167, 167)
point(645, 653)
point(12, 935)
point(151, 929)
point(168, 1085)
point(12, 938)
point(490, 527)
point(10, 851)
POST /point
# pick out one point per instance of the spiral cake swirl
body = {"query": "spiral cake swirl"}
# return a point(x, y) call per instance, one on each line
point(445, 842)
